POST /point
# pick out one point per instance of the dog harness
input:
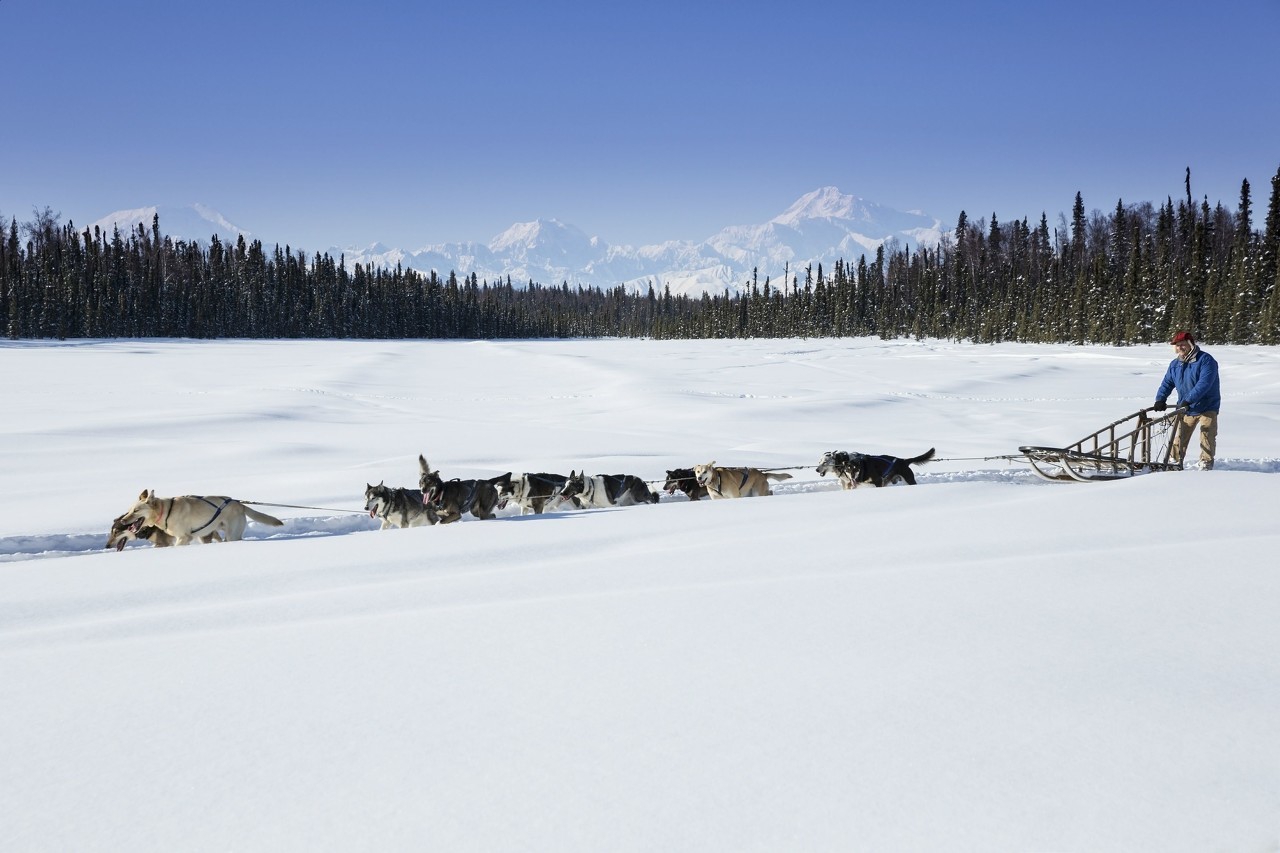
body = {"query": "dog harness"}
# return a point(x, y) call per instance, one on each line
point(385, 514)
point(746, 475)
point(217, 511)
point(437, 494)
point(890, 462)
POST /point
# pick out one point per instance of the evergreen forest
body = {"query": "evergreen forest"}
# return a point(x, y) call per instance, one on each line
point(1129, 276)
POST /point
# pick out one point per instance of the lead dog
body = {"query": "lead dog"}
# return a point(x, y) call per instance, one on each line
point(605, 490)
point(451, 498)
point(397, 507)
point(122, 534)
point(854, 468)
point(533, 491)
point(735, 482)
point(682, 479)
point(191, 517)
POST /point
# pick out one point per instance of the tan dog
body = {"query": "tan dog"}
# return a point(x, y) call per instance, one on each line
point(735, 482)
point(122, 534)
point(193, 517)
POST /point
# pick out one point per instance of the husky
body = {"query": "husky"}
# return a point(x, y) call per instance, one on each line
point(606, 490)
point(397, 507)
point(852, 469)
point(450, 499)
point(682, 479)
point(533, 491)
point(122, 534)
point(735, 482)
point(195, 517)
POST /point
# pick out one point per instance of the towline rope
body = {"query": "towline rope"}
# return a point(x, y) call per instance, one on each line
point(299, 506)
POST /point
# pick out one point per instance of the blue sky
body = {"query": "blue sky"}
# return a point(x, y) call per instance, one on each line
point(322, 124)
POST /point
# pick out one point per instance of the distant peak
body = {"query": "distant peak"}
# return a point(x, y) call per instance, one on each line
point(823, 203)
point(189, 222)
point(535, 232)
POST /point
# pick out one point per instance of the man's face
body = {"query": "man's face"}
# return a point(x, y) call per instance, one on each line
point(1182, 347)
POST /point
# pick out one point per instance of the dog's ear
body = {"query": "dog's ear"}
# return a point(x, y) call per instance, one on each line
point(422, 463)
point(146, 493)
point(382, 485)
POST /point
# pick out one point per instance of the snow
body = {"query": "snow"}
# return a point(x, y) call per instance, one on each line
point(982, 662)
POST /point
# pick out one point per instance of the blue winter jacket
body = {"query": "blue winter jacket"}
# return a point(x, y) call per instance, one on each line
point(1196, 381)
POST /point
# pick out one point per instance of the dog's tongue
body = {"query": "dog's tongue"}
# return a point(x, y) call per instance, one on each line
point(120, 547)
point(373, 513)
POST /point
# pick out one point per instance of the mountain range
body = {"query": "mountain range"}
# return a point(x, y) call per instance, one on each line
point(819, 228)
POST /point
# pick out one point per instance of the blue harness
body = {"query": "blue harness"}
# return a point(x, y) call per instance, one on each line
point(217, 511)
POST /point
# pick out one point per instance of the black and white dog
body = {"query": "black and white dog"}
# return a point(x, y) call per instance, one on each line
point(854, 468)
point(605, 490)
point(533, 491)
point(397, 507)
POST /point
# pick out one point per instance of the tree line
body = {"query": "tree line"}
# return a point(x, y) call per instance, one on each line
point(1128, 276)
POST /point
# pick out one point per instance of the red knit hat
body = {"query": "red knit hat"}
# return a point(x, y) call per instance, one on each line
point(1183, 336)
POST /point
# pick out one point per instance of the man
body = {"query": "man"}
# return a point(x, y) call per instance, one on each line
point(1194, 374)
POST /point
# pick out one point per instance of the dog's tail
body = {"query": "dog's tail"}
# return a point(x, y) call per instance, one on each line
point(775, 475)
point(262, 517)
point(921, 459)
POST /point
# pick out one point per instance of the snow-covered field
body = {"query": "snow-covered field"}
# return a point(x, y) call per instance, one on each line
point(983, 662)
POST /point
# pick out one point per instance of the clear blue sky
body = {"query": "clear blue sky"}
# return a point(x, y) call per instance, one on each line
point(323, 124)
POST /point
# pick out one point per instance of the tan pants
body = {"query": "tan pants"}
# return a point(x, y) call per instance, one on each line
point(1208, 423)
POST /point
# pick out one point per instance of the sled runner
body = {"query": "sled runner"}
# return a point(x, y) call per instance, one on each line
point(1121, 449)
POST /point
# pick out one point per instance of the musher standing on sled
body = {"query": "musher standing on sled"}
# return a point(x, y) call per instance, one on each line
point(1194, 374)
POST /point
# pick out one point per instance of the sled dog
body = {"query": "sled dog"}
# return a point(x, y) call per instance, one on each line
point(605, 490)
point(735, 482)
point(682, 479)
point(532, 491)
point(397, 507)
point(195, 517)
point(449, 499)
point(122, 534)
point(852, 469)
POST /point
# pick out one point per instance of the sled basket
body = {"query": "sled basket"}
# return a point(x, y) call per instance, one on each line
point(1121, 449)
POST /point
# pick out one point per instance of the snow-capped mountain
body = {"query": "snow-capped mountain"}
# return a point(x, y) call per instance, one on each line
point(819, 228)
point(194, 223)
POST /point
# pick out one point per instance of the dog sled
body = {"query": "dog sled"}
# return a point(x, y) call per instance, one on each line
point(1136, 444)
